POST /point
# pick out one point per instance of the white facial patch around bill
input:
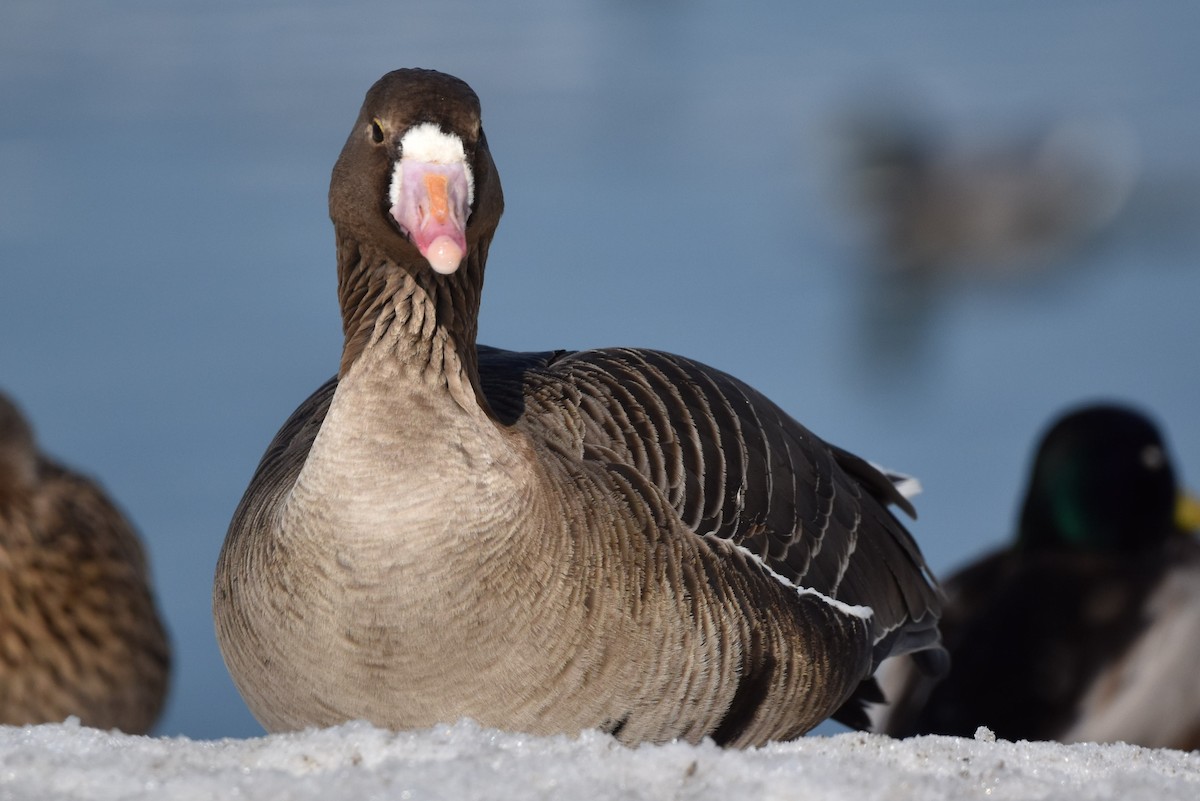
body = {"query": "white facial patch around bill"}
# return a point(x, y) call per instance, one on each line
point(429, 144)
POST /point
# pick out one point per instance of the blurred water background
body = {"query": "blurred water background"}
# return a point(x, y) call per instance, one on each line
point(676, 176)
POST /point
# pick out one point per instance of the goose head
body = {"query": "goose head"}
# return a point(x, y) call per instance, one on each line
point(415, 178)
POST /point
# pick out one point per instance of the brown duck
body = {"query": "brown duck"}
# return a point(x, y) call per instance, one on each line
point(79, 632)
point(545, 542)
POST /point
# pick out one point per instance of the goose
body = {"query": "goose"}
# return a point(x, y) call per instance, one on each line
point(616, 539)
point(1086, 628)
point(79, 630)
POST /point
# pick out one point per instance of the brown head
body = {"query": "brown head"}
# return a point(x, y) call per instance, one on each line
point(414, 191)
point(18, 450)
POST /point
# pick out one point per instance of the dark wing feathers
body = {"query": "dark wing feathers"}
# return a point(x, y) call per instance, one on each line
point(881, 485)
point(729, 461)
point(277, 470)
point(734, 466)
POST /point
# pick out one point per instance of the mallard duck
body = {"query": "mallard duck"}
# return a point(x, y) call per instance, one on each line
point(619, 539)
point(939, 208)
point(79, 631)
point(1087, 627)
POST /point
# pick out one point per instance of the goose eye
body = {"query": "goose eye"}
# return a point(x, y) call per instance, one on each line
point(376, 131)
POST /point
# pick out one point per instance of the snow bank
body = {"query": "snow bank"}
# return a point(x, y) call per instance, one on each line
point(358, 761)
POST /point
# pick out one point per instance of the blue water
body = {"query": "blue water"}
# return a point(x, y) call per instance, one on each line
point(167, 285)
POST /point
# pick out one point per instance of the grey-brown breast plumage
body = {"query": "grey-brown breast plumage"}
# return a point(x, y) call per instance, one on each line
point(621, 538)
point(79, 631)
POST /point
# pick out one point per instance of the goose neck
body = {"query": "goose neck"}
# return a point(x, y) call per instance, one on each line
point(420, 324)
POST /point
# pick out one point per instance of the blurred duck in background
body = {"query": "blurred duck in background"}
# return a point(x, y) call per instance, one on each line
point(931, 212)
point(936, 208)
point(1087, 629)
point(79, 631)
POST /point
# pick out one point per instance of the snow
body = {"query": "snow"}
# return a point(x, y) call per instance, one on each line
point(463, 761)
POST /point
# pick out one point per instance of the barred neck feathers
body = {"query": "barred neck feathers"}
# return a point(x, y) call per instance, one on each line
point(428, 321)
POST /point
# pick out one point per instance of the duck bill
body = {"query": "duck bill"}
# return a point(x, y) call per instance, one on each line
point(1187, 512)
point(431, 208)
